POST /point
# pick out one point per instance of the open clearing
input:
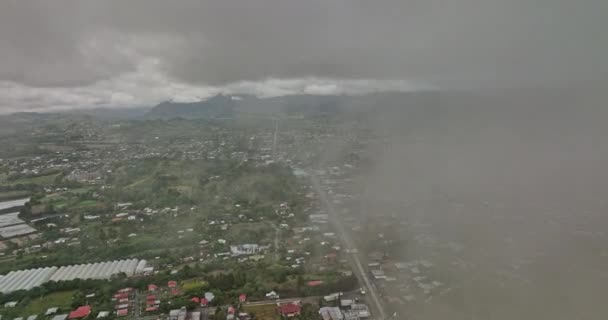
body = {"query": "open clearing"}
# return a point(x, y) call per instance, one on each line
point(62, 300)
point(263, 312)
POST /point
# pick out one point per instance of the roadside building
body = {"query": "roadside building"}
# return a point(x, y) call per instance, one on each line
point(351, 315)
point(245, 249)
point(314, 283)
point(195, 315)
point(244, 316)
point(346, 303)
point(51, 311)
point(362, 310)
point(178, 314)
point(11, 304)
point(289, 310)
point(60, 317)
point(272, 295)
point(151, 309)
point(331, 313)
point(80, 312)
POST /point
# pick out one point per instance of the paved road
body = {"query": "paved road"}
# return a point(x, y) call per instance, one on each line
point(274, 140)
point(205, 314)
point(312, 299)
point(376, 306)
point(137, 312)
point(277, 234)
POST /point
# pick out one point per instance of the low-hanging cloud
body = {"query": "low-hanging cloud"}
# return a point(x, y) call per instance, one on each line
point(146, 85)
point(212, 44)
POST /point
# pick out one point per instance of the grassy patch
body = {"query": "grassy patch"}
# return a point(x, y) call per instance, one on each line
point(80, 190)
point(62, 300)
point(86, 203)
point(56, 200)
point(257, 232)
point(193, 284)
point(55, 148)
point(38, 180)
point(60, 204)
point(10, 195)
point(263, 312)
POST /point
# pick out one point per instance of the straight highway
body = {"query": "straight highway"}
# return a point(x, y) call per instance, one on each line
point(376, 305)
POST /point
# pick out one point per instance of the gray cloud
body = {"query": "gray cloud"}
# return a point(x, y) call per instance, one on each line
point(147, 85)
point(457, 44)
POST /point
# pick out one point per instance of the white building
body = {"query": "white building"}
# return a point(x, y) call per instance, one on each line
point(245, 249)
point(331, 313)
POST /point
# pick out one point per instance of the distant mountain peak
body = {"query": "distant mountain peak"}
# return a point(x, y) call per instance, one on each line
point(218, 106)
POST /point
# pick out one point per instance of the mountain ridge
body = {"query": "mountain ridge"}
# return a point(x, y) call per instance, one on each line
point(219, 106)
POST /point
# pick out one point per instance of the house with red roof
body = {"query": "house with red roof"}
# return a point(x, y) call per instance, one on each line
point(172, 284)
point(243, 297)
point(288, 310)
point(204, 302)
point(331, 256)
point(151, 309)
point(314, 283)
point(121, 306)
point(151, 300)
point(244, 316)
point(122, 312)
point(152, 287)
point(80, 312)
point(122, 295)
point(196, 299)
point(231, 313)
point(152, 303)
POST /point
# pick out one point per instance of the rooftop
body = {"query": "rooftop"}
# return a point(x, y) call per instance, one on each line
point(80, 312)
point(289, 308)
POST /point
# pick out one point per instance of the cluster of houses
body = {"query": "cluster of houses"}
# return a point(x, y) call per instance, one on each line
point(124, 301)
point(152, 301)
point(247, 249)
point(232, 314)
point(89, 166)
point(289, 310)
point(348, 310)
point(52, 314)
point(183, 314)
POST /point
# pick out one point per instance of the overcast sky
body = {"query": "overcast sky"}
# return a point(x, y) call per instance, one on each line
point(79, 54)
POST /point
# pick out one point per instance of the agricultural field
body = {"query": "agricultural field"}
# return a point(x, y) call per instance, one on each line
point(10, 195)
point(182, 195)
point(263, 312)
point(192, 285)
point(61, 300)
point(42, 180)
